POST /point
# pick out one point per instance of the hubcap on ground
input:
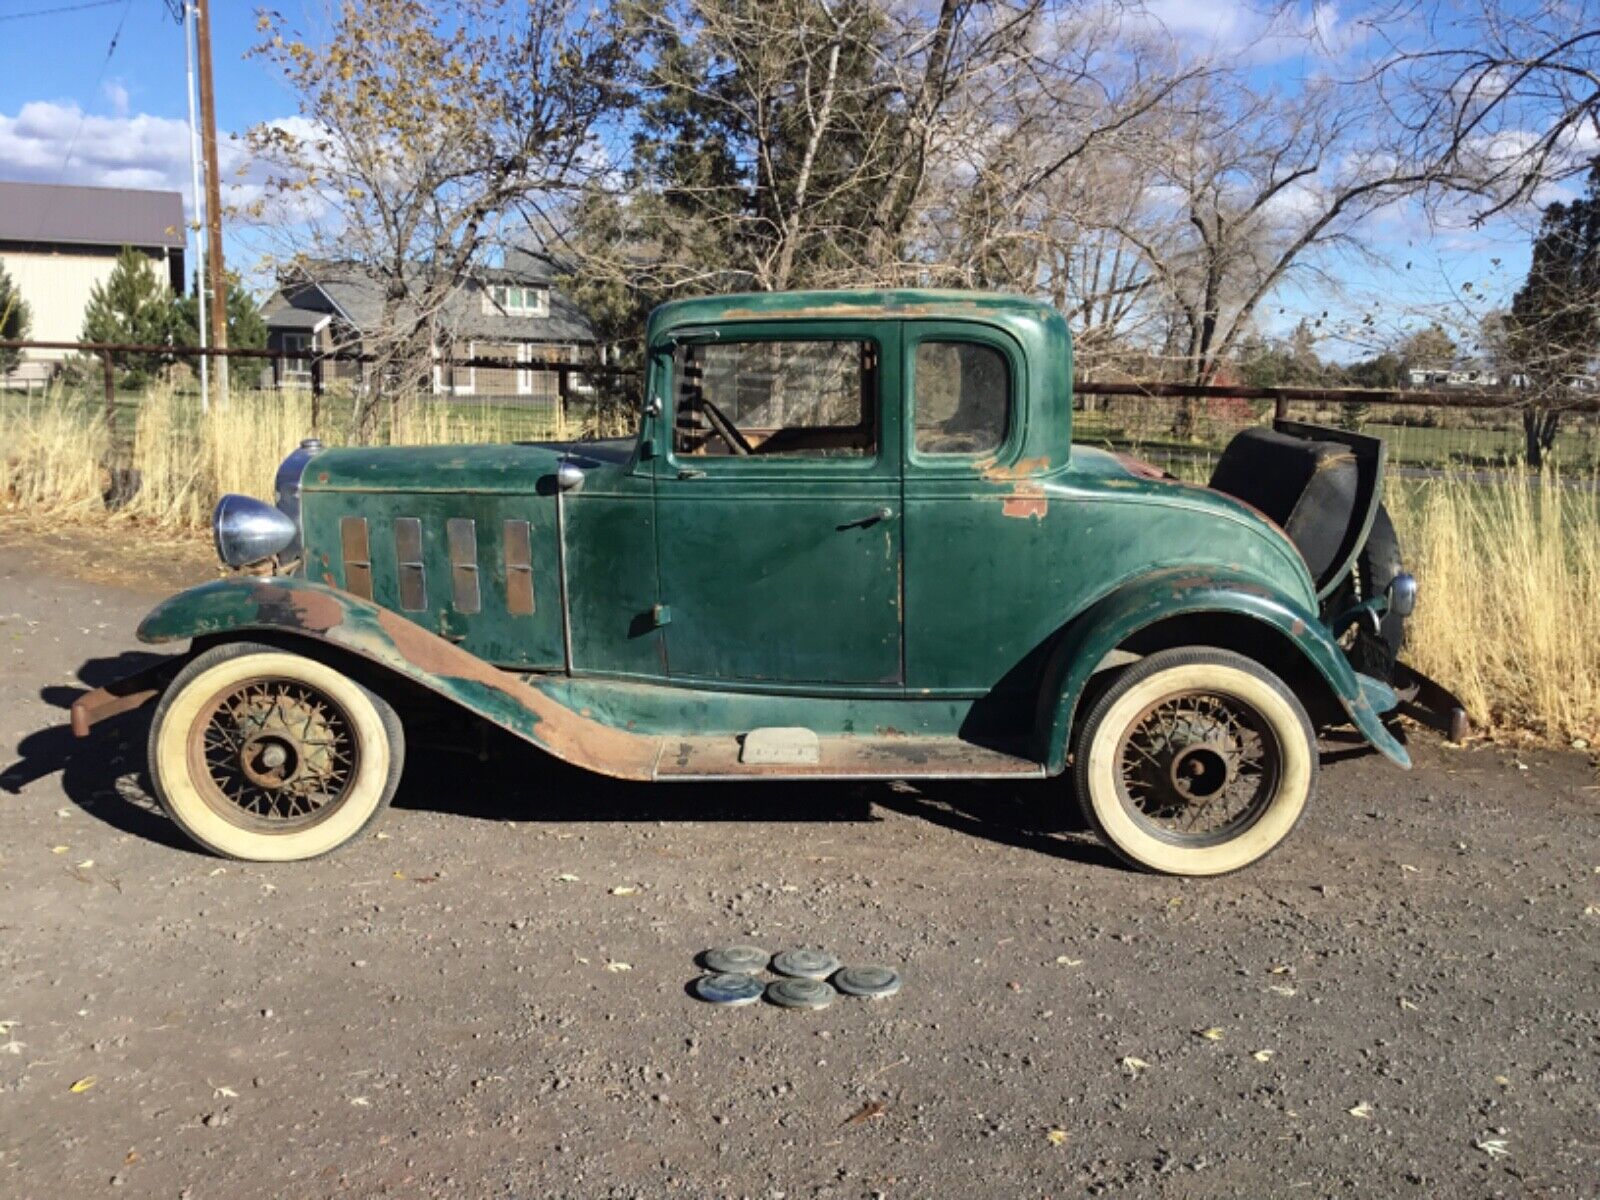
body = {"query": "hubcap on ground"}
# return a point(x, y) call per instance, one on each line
point(274, 753)
point(1198, 768)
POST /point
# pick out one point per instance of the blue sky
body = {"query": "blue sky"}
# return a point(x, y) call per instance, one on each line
point(68, 114)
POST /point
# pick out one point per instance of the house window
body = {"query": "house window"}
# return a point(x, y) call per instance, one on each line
point(518, 301)
point(297, 367)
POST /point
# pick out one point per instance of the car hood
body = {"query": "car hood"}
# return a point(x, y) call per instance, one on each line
point(514, 467)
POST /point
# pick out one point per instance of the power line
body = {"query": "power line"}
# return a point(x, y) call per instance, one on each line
point(83, 116)
point(63, 8)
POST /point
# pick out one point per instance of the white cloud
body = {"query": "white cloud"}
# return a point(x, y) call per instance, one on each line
point(1252, 33)
point(48, 142)
point(116, 94)
point(52, 142)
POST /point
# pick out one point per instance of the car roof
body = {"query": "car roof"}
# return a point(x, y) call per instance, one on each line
point(854, 304)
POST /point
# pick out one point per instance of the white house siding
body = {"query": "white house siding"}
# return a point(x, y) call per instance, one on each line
point(56, 288)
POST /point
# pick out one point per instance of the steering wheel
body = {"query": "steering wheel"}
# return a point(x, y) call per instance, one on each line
point(726, 429)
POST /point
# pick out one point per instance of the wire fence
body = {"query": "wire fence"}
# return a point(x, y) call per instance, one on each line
point(1185, 426)
point(1181, 426)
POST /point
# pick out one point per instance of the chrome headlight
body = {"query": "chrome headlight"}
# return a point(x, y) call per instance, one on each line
point(248, 531)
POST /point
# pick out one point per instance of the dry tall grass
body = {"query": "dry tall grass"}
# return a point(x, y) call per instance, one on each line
point(56, 452)
point(52, 456)
point(1509, 612)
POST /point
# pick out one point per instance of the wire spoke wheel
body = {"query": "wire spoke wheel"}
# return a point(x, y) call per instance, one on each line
point(275, 755)
point(1197, 768)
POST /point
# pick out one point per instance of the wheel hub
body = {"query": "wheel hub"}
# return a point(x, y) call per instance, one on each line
point(278, 752)
point(1197, 767)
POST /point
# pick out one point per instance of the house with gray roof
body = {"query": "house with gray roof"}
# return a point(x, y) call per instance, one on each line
point(58, 242)
point(513, 312)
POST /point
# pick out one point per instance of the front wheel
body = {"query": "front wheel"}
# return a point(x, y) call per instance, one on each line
point(261, 754)
point(1195, 761)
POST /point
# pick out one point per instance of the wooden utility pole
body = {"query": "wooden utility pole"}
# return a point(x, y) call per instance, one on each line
point(216, 280)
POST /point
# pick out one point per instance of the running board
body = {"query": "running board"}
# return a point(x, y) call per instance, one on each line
point(844, 757)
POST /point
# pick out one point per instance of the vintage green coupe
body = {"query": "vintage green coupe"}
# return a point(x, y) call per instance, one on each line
point(852, 538)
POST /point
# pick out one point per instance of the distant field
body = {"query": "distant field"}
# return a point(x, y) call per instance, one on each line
point(1577, 446)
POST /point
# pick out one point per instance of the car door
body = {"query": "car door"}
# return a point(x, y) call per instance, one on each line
point(778, 503)
point(977, 552)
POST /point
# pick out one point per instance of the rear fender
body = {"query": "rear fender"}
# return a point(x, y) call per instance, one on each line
point(1144, 602)
point(320, 614)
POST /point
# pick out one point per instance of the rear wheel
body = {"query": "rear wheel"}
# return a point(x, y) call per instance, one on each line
point(1195, 761)
point(262, 754)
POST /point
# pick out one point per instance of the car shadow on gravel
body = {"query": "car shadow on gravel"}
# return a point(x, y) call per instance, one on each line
point(507, 780)
point(104, 774)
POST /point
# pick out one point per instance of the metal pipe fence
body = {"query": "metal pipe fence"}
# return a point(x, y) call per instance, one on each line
point(1173, 423)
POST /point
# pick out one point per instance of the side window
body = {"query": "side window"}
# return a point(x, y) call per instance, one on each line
point(963, 398)
point(811, 399)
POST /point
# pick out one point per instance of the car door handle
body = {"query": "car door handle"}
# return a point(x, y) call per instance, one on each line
point(883, 514)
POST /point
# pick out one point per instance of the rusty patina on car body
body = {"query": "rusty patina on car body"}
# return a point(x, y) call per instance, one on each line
point(624, 606)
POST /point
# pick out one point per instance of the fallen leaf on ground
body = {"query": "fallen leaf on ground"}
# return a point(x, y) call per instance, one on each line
point(131, 1158)
point(1134, 1065)
point(219, 871)
point(399, 875)
point(1063, 961)
point(566, 877)
point(84, 1084)
point(1503, 1081)
point(383, 837)
point(625, 890)
point(1407, 1005)
point(59, 849)
point(86, 864)
point(1362, 1110)
point(872, 1108)
point(1213, 1034)
point(224, 1091)
point(1056, 1137)
point(1263, 1055)
point(1407, 867)
point(619, 966)
point(1493, 1147)
point(63, 812)
point(1281, 989)
point(360, 1101)
point(1280, 969)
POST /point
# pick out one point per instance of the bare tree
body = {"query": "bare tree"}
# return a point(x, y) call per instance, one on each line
point(1259, 187)
point(420, 133)
point(1501, 96)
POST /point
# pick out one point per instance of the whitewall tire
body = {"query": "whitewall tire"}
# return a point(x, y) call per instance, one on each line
point(258, 753)
point(1195, 761)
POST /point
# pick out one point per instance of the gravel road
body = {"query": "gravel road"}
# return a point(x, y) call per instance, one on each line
point(488, 997)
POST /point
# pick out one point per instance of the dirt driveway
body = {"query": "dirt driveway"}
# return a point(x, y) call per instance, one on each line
point(487, 998)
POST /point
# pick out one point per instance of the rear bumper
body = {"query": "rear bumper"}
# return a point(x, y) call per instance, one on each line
point(125, 695)
point(1429, 703)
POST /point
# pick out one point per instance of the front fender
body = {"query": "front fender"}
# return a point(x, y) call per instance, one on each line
point(317, 613)
point(1180, 592)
